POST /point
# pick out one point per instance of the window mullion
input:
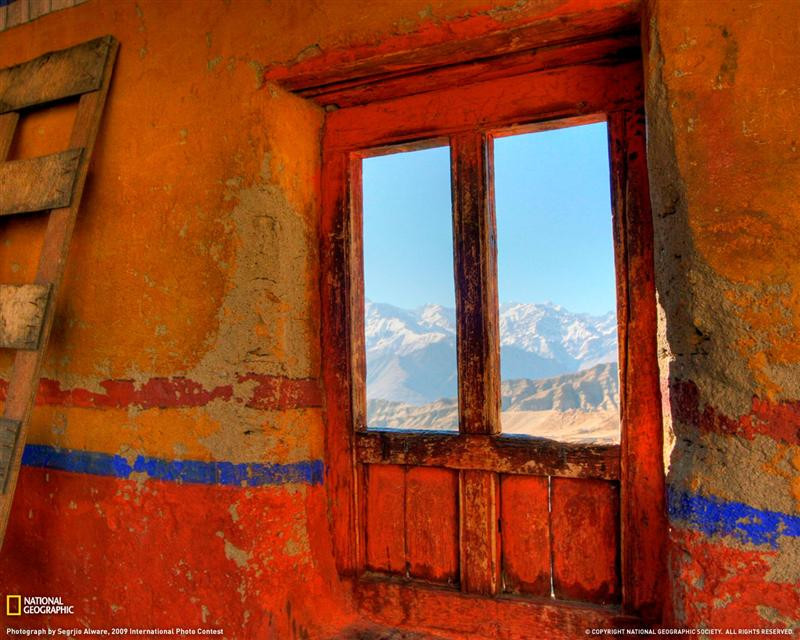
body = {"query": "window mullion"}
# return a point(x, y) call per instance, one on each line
point(478, 353)
point(475, 254)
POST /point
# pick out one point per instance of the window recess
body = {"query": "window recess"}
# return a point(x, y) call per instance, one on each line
point(516, 531)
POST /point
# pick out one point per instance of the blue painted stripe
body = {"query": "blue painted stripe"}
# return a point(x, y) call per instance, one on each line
point(245, 474)
point(713, 516)
point(5, 3)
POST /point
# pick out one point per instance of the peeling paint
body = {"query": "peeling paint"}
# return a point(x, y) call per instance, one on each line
point(267, 392)
point(239, 556)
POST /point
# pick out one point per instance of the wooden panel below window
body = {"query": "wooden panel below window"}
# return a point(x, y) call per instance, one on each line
point(480, 542)
point(525, 532)
point(432, 524)
point(385, 506)
point(585, 540)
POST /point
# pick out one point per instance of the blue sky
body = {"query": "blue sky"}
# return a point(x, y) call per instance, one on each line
point(553, 222)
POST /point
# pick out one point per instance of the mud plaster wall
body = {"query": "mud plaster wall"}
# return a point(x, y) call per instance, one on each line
point(174, 468)
point(725, 181)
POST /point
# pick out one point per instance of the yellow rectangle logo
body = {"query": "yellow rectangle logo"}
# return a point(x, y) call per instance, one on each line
point(13, 605)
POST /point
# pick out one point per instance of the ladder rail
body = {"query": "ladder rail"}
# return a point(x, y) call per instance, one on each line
point(24, 379)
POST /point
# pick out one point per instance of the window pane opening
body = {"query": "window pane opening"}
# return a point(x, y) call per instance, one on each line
point(409, 290)
point(557, 285)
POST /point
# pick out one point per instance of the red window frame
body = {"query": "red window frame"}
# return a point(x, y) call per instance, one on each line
point(466, 114)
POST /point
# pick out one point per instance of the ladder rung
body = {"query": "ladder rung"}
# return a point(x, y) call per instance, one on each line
point(9, 433)
point(54, 76)
point(22, 309)
point(36, 184)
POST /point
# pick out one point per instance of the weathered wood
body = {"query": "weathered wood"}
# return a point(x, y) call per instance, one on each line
point(9, 434)
point(38, 8)
point(642, 489)
point(385, 517)
point(22, 309)
point(432, 608)
point(480, 540)
point(8, 124)
point(359, 91)
point(37, 184)
point(588, 22)
point(17, 14)
point(56, 75)
point(415, 145)
point(584, 531)
point(551, 125)
point(24, 378)
point(502, 454)
point(432, 524)
point(525, 535)
point(475, 255)
point(461, 111)
point(340, 470)
point(358, 350)
point(545, 95)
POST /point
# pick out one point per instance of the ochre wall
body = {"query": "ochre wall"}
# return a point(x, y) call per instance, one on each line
point(188, 326)
point(725, 181)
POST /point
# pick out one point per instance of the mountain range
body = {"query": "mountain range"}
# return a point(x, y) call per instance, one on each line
point(558, 370)
point(411, 354)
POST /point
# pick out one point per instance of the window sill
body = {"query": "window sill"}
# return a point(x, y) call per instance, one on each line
point(397, 602)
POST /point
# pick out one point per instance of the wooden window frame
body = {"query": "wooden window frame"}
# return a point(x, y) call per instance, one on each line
point(582, 88)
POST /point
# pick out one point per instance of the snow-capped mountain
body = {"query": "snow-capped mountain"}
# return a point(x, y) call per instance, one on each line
point(411, 354)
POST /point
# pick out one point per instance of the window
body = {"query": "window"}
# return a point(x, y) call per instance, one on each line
point(428, 514)
point(409, 310)
point(556, 284)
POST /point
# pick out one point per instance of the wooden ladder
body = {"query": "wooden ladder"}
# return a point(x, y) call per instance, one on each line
point(51, 183)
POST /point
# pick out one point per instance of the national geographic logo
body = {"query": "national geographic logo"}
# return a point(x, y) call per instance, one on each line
point(17, 605)
point(13, 605)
